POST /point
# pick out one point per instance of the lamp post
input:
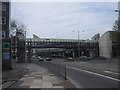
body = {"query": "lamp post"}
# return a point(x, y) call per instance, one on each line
point(57, 34)
point(25, 46)
point(118, 15)
point(78, 44)
point(48, 40)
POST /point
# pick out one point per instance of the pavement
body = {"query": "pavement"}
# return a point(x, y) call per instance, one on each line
point(30, 75)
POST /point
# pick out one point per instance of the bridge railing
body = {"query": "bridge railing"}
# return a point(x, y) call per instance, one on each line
point(62, 44)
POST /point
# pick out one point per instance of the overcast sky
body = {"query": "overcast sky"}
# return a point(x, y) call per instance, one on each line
point(65, 19)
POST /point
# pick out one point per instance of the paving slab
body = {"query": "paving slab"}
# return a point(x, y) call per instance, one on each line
point(38, 73)
point(27, 82)
point(67, 84)
point(58, 87)
point(23, 78)
point(46, 89)
point(7, 84)
point(17, 84)
point(35, 86)
point(47, 85)
point(38, 77)
point(54, 80)
point(37, 81)
point(33, 74)
point(46, 78)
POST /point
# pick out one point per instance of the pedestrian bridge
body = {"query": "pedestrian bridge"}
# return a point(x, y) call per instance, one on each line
point(64, 47)
point(61, 43)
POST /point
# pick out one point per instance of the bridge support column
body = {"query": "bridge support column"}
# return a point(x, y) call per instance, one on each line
point(63, 54)
point(93, 54)
point(73, 54)
point(29, 55)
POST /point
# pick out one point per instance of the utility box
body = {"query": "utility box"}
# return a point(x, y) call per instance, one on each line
point(6, 54)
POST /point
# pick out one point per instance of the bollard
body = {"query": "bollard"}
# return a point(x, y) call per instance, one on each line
point(59, 70)
point(54, 68)
point(65, 74)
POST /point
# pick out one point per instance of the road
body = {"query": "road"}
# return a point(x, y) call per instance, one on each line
point(108, 68)
point(91, 75)
point(87, 79)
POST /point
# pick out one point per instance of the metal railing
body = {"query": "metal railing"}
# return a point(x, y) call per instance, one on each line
point(57, 69)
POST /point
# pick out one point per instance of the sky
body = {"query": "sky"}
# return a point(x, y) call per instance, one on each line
point(65, 19)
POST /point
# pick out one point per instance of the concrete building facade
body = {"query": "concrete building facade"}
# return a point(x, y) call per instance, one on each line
point(5, 19)
point(105, 45)
point(6, 41)
point(109, 44)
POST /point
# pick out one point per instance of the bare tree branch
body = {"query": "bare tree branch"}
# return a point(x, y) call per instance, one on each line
point(17, 27)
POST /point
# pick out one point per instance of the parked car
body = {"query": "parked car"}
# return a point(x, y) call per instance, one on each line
point(48, 59)
point(33, 57)
point(40, 58)
point(84, 58)
point(70, 59)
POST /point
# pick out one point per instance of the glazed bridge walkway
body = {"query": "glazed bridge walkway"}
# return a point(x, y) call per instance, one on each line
point(61, 43)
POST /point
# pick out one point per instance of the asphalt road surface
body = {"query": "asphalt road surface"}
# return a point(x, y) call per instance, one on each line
point(91, 75)
point(87, 79)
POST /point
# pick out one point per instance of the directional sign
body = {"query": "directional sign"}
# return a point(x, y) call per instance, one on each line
point(6, 45)
point(6, 56)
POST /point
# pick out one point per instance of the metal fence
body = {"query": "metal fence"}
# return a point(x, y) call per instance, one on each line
point(57, 69)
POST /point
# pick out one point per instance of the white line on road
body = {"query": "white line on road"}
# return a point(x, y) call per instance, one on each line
point(111, 72)
point(94, 73)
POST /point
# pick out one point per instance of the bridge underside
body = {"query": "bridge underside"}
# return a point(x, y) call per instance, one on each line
point(62, 49)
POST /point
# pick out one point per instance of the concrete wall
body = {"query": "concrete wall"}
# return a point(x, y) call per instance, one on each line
point(105, 45)
point(0, 44)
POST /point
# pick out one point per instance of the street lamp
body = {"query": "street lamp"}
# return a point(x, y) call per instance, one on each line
point(49, 46)
point(25, 46)
point(78, 44)
point(57, 35)
point(118, 15)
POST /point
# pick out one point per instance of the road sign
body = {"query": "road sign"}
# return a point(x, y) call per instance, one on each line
point(6, 56)
point(6, 45)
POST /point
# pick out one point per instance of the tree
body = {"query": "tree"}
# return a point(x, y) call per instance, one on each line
point(116, 37)
point(18, 36)
point(115, 26)
point(16, 27)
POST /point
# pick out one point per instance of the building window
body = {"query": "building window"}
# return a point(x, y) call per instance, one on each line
point(0, 6)
point(3, 7)
point(3, 34)
point(3, 20)
point(0, 20)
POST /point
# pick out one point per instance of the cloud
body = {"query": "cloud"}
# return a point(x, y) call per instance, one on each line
point(65, 0)
point(46, 19)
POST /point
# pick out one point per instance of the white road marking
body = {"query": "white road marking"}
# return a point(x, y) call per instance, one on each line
point(111, 72)
point(94, 73)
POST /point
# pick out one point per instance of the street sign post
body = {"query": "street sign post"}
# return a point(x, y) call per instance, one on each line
point(6, 54)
